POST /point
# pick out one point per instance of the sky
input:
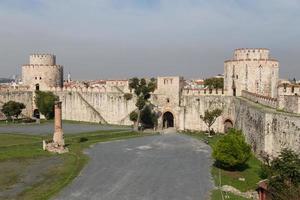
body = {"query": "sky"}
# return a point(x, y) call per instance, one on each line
point(114, 39)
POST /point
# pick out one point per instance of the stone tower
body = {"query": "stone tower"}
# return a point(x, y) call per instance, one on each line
point(42, 72)
point(251, 70)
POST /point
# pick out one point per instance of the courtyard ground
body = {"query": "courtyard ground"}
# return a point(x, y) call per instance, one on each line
point(28, 172)
point(161, 167)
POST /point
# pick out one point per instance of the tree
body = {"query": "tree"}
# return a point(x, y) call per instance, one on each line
point(142, 90)
point(210, 117)
point(232, 150)
point(45, 103)
point(214, 83)
point(12, 109)
point(283, 174)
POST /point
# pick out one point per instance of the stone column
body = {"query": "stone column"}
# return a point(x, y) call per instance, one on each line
point(58, 137)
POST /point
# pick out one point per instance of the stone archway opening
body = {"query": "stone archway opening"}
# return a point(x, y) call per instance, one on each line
point(36, 114)
point(228, 124)
point(37, 87)
point(168, 120)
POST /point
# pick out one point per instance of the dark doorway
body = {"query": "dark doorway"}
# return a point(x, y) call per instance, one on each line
point(37, 87)
point(36, 114)
point(228, 125)
point(234, 92)
point(168, 120)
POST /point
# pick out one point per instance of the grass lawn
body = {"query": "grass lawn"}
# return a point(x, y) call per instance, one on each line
point(216, 195)
point(22, 157)
point(250, 174)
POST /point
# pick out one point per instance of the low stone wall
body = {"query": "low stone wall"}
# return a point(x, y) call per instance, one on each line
point(264, 100)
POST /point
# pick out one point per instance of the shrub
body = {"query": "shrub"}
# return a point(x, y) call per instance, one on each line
point(128, 96)
point(12, 109)
point(133, 116)
point(283, 174)
point(232, 151)
point(45, 102)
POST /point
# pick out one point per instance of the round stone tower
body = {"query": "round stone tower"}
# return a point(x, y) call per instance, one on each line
point(42, 72)
point(251, 70)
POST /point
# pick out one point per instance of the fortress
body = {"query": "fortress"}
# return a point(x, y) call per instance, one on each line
point(253, 99)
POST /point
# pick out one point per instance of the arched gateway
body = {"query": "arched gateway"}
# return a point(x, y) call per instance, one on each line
point(228, 124)
point(168, 120)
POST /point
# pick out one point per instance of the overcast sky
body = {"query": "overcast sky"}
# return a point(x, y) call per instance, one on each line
point(100, 39)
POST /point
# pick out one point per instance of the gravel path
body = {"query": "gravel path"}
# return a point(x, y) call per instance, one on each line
point(164, 167)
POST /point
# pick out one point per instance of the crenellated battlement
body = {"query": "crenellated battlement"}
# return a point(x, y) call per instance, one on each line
point(42, 59)
point(257, 98)
point(251, 53)
point(203, 92)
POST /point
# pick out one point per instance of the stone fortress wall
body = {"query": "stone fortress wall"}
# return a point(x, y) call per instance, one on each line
point(43, 72)
point(254, 110)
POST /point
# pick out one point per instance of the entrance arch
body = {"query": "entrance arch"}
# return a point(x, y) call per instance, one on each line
point(168, 120)
point(36, 114)
point(228, 124)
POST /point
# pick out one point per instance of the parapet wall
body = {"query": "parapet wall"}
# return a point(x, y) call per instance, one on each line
point(257, 98)
point(203, 92)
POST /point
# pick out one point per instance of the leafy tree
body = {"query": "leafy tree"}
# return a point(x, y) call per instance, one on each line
point(128, 96)
point(45, 103)
point(283, 174)
point(213, 83)
point(133, 116)
point(210, 117)
point(142, 90)
point(12, 109)
point(231, 150)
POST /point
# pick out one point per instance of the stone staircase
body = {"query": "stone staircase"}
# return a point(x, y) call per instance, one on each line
point(102, 120)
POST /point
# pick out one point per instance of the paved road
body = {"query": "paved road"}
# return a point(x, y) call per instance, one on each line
point(165, 167)
point(48, 128)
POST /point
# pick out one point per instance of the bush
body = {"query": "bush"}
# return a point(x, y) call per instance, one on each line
point(12, 109)
point(133, 116)
point(232, 151)
point(283, 174)
point(45, 102)
point(128, 96)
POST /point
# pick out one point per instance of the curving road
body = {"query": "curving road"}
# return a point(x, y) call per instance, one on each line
point(162, 167)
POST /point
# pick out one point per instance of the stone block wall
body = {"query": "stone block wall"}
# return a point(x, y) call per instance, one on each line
point(24, 97)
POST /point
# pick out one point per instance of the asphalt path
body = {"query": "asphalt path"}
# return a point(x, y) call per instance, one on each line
point(48, 128)
point(162, 167)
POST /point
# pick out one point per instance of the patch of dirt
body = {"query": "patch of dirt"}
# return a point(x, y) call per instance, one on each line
point(19, 175)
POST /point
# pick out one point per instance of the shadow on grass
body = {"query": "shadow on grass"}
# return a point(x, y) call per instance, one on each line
point(237, 168)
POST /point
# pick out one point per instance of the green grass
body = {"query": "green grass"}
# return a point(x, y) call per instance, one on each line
point(251, 173)
point(16, 149)
point(216, 195)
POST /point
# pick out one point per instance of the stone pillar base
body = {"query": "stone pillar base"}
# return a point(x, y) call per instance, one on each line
point(54, 147)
